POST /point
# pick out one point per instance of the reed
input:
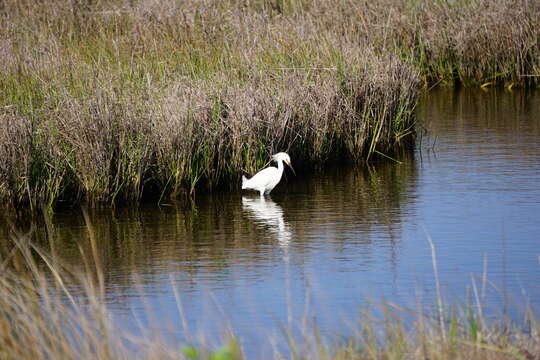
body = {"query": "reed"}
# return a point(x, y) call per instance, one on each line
point(477, 43)
point(106, 101)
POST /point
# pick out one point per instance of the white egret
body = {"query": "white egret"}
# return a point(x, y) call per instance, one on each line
point(267, 179)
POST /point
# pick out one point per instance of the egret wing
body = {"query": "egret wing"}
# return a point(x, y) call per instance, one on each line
point(263, 178)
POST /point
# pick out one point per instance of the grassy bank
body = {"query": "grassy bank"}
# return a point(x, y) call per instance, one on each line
point(49, 310)
point(112, 100)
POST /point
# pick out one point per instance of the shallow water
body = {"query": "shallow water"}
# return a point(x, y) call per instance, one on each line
point(324, 244)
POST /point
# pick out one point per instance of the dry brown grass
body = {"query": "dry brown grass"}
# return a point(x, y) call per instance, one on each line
point(114, 100)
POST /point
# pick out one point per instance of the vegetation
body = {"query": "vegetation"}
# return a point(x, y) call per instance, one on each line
point(114, 100)
point(49, 310)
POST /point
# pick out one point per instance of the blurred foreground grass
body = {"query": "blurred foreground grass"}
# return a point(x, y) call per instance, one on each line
point(43, 317)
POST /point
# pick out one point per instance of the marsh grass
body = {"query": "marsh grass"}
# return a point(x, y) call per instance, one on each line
point(52, 310)
point(107, 101)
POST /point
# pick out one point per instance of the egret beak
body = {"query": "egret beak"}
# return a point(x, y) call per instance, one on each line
point(289, 164)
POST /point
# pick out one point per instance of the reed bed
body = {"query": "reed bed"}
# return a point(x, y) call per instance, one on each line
point(106, 101)
point(463, 42)
point(51, 310)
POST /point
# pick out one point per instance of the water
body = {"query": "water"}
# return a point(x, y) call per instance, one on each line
point(324, 244)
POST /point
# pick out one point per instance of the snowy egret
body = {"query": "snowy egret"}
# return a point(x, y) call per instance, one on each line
point(267, 179)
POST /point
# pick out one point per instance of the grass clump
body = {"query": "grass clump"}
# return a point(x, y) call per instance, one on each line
point(114, 100)
point(478, 43)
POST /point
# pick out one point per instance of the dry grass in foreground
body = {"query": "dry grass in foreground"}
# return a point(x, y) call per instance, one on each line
point(41, 318)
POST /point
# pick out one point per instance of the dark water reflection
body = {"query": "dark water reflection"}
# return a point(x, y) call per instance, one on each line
point(323, 243)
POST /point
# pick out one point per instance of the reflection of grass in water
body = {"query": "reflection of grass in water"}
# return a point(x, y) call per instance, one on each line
point(40, 318)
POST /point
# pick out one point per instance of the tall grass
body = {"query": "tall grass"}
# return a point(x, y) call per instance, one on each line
point(113, 100)
point(43, 317)
point(478, 42)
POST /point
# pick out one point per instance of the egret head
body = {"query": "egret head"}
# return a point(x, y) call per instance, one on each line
point(285, 158)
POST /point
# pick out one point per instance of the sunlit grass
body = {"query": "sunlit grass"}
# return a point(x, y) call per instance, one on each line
point(113, 100)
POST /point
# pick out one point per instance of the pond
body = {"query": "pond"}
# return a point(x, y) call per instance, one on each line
point(326, 244)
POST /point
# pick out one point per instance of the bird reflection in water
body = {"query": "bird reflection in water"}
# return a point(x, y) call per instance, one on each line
point(267, 212)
